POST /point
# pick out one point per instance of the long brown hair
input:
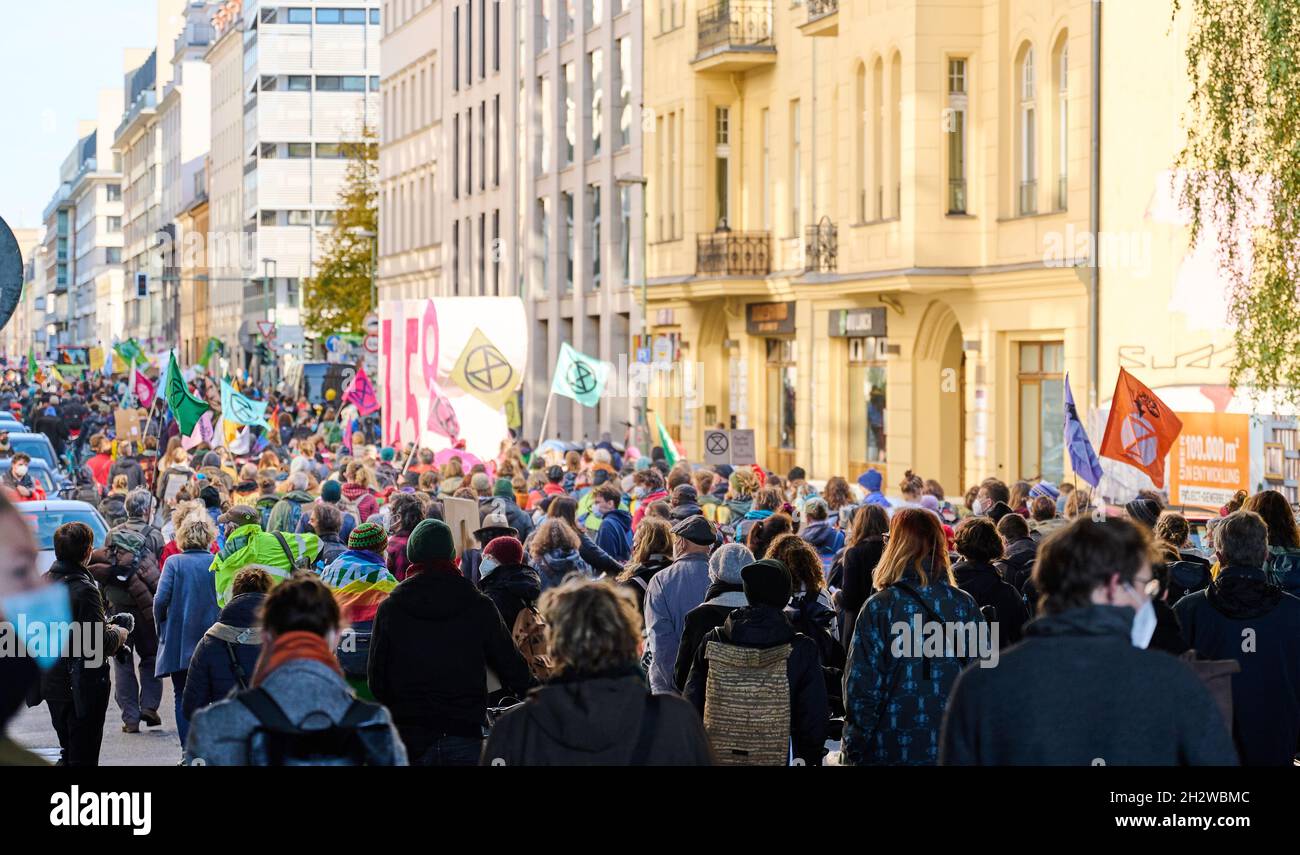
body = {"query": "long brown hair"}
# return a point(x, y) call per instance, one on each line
point(915, 537)
point(868, 521)
point(1276, 512)
point(800, 559)
point(653, 536)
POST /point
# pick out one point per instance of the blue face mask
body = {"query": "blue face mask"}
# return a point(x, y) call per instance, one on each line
point(40, 615)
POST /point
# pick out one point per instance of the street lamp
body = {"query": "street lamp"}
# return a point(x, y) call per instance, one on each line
point(642, 182)
point(268, 308)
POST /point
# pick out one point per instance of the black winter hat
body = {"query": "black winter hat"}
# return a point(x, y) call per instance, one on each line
point(999, 510)
point(766, 583)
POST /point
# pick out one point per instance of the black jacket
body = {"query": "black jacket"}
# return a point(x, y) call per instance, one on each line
point(73, 676)
point(211, 675)
point(1076, 692)
point(1019, 561)
point(860, 562)
point(984, 583)
point(519, 520)
point(597, 559)
point(764, 627)
point(55, 428)
point(130, 467)
point(642, 574)
point(699, 620)
point(511, 588)
point(596, 721)
point(433, 640)
point(1266, 694)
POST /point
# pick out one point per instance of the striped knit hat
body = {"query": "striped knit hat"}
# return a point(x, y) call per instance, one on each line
point(369, 536)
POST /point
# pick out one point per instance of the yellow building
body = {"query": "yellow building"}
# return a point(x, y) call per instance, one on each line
point(868, 224)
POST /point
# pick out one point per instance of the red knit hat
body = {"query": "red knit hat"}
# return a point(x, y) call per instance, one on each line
point(506, 550)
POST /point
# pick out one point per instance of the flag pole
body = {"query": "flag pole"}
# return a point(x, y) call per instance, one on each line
point(546, 417)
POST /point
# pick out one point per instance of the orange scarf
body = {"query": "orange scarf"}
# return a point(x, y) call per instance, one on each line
point(298, 644)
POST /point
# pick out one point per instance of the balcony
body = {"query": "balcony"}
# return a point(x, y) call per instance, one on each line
point(823, 18)
point(735, 36)
point(728, 253)
point(821, 247)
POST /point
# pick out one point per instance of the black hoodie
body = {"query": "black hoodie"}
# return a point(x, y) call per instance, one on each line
point(511, 588)
point(763, 627)
point(984, 583)
point(433, 640)
point(1243, 616)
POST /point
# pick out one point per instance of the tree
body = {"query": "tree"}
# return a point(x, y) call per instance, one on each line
point(1242, 168)
point(337, 299)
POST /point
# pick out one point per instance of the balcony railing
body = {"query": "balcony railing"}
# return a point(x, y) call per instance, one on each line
point(957, 196)
point(1028, 198)
point(822, 8)
point(728, 253)
point(821, 247)
point(735, 24)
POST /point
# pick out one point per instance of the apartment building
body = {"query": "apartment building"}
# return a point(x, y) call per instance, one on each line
point(291, 86)
point(510, 166)
point(16, 336)
point(869, 222)
point(82, 251)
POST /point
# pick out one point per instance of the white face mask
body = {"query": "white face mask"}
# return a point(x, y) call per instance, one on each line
point(487, 565)
point(977, 507)
point(1144, 625)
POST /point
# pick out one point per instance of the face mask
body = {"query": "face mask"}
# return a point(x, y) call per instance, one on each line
point(1144, 622)
point(977, 507)
point(487, 566)
point(20, 471)
point(43, 610)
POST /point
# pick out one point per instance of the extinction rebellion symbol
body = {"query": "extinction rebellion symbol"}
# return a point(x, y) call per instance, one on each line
point(581, 378)
point(717, 443)
point(487, 370)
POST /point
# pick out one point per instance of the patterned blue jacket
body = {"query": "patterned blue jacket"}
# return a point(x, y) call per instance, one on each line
point(894, 704)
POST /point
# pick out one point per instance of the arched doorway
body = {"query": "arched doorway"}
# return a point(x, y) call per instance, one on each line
point(939, 400)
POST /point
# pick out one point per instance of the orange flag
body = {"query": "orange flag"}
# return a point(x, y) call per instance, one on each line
point(1141, 428)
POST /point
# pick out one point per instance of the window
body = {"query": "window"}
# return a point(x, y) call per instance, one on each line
point(374, 83)
point(331, 151)
point(299, 16)
point(878, 139)
point(269, 218)
point(326, 218)
point(329, 83)
point(546, 126)
point(269, 150)
point(455, 256)
point(113, 255)
point(624, 48)
point(455, 156)
point(469, 151)
point(1062, 68)
point(566, 208)
point(955, 125)
point(482, 145)
point(374, 17)
point(866, 397)
point(455, 48)
point(766, 167)
point(270, 16)
point(299, 218)
point(595, 13)
point(114, 192)
point(782, 375)
point(593, 248)
point(299, 83)
point(270, 83)
point(1042, 411)
point(570, 14)
point(496, 140)
point(896, 132)
point(544, 239)
point(625, 233)
point(543, 21)
point(354, 16)
point(1026, 134)
point(299, 150)
point(114, 224)
point(796, 171)
point(496, 252)
point(570, 114)
point(329, 16)
point(496, 35)
point(469, 43)
point(721, 163)
point(595, 77)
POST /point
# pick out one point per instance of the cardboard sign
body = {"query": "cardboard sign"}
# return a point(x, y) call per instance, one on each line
point(129, 425)
point(742, 448)
point(1210, 461)
point(717, 447)
point(461, 516)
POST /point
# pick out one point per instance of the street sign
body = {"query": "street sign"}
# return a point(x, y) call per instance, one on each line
point(742, 448)
point(717, 447)
point(332, 343)
point(267, 329)
point(663, 349)
point(290, 335)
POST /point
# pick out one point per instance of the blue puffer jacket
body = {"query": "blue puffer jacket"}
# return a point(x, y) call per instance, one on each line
point(211, 675)
point(825, 538)
point(894, 705)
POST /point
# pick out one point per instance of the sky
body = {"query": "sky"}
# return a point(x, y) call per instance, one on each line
point(55, 55)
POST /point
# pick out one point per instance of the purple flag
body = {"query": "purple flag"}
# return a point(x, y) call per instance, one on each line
point(1083, 459)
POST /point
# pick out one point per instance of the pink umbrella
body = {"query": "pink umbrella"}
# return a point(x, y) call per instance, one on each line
point(467, 460)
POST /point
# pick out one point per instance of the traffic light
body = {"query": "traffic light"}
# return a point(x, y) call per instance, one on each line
point(264, 355)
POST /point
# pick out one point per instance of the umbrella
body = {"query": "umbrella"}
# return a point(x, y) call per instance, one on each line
point(467, 461)
point(558, 446)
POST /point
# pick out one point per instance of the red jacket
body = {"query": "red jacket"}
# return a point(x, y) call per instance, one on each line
point(99, 465)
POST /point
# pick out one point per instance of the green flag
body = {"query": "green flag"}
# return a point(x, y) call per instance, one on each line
point(579, 376)
point(213, 347)
point(670, 450)
point(131, 352)
point(187, 408)
point(31, 363)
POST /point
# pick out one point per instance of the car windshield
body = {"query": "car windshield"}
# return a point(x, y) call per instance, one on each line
point(35, 446)
point(45, 523)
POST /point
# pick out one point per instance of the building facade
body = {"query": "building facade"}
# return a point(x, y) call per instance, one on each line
point(16, 337)
point(510, 166)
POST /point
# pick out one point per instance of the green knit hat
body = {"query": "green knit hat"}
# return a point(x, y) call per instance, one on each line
point(503, 489)
point(368, 536)
point(431, 540)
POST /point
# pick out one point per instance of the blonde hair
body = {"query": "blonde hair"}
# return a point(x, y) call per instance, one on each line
point(196, 531)
point(184, 509)
point(915, 536)
point(119, 483)
point(591, 626)
point(653, 536)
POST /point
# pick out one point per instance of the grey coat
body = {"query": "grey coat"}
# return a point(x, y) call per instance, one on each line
point(674, 591)
point(311, 694)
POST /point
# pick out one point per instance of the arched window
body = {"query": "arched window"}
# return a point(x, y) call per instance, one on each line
point(1061, 123)
point(1026, 132)
point(862, 130)
point(878, 137)
point(896, 133)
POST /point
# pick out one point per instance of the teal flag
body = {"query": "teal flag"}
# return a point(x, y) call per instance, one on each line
point(579, 376)
point(131, 352)
point(185, 406)
point(239, 410)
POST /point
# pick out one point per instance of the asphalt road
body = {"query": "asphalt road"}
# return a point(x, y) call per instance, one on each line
point(152, 746)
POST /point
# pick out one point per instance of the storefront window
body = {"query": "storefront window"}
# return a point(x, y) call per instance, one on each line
point(866, 401)
point(1042, 411)
point(781, 378)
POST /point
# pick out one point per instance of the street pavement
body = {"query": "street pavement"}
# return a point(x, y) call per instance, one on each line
point(152, 746)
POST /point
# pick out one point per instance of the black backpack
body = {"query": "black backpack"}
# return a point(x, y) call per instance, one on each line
point(276, 741)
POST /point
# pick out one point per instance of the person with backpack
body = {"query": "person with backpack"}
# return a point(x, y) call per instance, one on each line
point(325, 522)
point(596, 709)
point(862, 550)
point(756, 683)
point(506, 580)
point(246, 545)
point(360, 581)
point(1019, 551)
point(126, 568)
point(185, 606)
point(1080, 690)
point(672, 593)
point(299, 709)
point(810, 611)
point(554, 550)
point(1244, 615)
point(819, 531)
point(227, 654)
point(433, 641)
point(286, 512)
point(331, 494)
point(1283, 538)
point(726, 593)
point(614, 535)
point(894, 703)
point(979, 545)
point(652, 551)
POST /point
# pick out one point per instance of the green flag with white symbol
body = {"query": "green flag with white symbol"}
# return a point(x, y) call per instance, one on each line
point(579, 376)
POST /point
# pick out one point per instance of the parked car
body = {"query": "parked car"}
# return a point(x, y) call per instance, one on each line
point(50, 480)
point(37, 446)
point(46, 517)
